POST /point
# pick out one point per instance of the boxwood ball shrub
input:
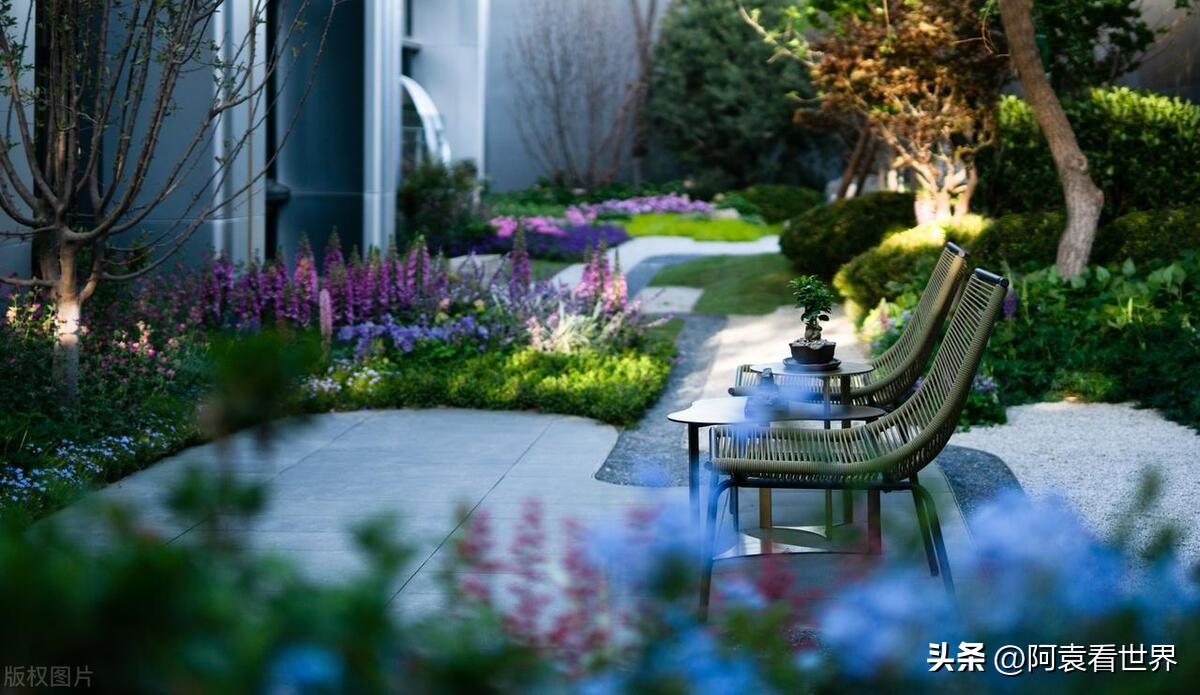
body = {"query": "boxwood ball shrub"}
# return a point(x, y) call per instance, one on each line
point(1019, 239)
point(1149, 235)
point(779, 202)
point(1142, 150)
point(902, 260)
point(820, 240)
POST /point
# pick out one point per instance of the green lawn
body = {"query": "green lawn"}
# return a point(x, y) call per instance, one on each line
point(697, 228)
point(734, 284)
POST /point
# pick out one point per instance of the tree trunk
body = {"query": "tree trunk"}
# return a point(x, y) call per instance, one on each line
point(852, 165)
point(66, 348)
point(864, 166)
point(1084, 200)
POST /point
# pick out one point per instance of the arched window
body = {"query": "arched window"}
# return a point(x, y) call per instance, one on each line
point(423, 128)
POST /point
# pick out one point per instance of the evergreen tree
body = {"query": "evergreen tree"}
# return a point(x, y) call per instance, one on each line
point(718, 104)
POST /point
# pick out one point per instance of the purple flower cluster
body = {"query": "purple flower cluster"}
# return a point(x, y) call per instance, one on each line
point(358, 290)
point(657, 204)
point(465, 330)
point(548, 237)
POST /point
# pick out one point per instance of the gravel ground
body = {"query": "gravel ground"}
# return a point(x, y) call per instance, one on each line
point(1095, 456)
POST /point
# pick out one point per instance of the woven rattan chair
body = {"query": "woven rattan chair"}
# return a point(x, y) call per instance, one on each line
point(898, 368)
point(884, 455)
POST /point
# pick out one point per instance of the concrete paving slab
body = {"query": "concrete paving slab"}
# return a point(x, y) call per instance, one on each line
point(669, 300)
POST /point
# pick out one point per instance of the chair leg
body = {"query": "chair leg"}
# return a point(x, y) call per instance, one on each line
point(734, 513)
point(939, 543)
point(710, 542)
point(926, 534)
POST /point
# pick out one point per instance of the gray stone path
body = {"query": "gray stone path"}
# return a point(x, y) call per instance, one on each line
point(427, 468)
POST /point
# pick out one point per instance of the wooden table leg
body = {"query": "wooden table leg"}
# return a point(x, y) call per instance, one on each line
point(765, 520)
point(874, 527)
point(694, 470)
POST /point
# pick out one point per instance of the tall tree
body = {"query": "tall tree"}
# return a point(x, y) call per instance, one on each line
point(922, 77)
point(1084, 200)
point(85, 168)
point(639, 88)
point(572, 81)
point(719, 103)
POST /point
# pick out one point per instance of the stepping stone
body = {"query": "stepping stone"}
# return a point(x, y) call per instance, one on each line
point(669, 300)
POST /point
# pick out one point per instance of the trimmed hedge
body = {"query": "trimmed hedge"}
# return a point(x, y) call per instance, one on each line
point(820, 240)
point(1020, 240)
point(1149, 235)
point(778, 202)
point(901, 260)
point(1024, 241)
point(1142, 150)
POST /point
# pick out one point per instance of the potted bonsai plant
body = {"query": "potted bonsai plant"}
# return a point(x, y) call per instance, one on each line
point(815, 299)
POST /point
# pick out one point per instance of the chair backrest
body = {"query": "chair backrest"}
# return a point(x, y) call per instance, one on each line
point(899, 367)
point(911, 436)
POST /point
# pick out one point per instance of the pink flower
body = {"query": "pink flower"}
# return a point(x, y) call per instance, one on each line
point(325, 309)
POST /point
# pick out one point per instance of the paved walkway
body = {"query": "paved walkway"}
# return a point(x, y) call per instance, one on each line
point(428, 468)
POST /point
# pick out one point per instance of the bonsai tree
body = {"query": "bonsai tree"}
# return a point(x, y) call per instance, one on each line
point(815, 299)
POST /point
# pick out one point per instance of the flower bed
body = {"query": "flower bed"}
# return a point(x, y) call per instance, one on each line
point(401, 330)
point(582, 227)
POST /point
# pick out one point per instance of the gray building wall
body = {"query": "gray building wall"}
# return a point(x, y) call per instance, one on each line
point(451, 39)
point(14, 253)
point(510, 164)
point(340, 161)
point(1172, 65)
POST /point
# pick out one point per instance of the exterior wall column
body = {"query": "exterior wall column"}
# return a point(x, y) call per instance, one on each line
point(383, 31)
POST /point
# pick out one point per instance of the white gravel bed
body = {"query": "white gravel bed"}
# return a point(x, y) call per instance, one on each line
point(1094, 456)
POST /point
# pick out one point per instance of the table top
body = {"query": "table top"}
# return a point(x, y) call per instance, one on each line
point(732, 411)
point(843, 369)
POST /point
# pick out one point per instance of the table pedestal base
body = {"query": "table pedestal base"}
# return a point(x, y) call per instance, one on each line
point(790, 540)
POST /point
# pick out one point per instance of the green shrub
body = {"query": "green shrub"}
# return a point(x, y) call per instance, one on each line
point(900, 261)
point(718, 103)
point(1149, 235)
point(778, 202)
point(1116, 333)
point(440, 203)
point(615, 387)
point(1020, 240)
point(1142, 150)
point(820, 240)
point(739, 202)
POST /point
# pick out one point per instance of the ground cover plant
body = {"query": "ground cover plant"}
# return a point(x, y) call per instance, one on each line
point(698, 228)
point(400, 329)
point(821, 239)
point(755, 284)
point(1115, 333)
